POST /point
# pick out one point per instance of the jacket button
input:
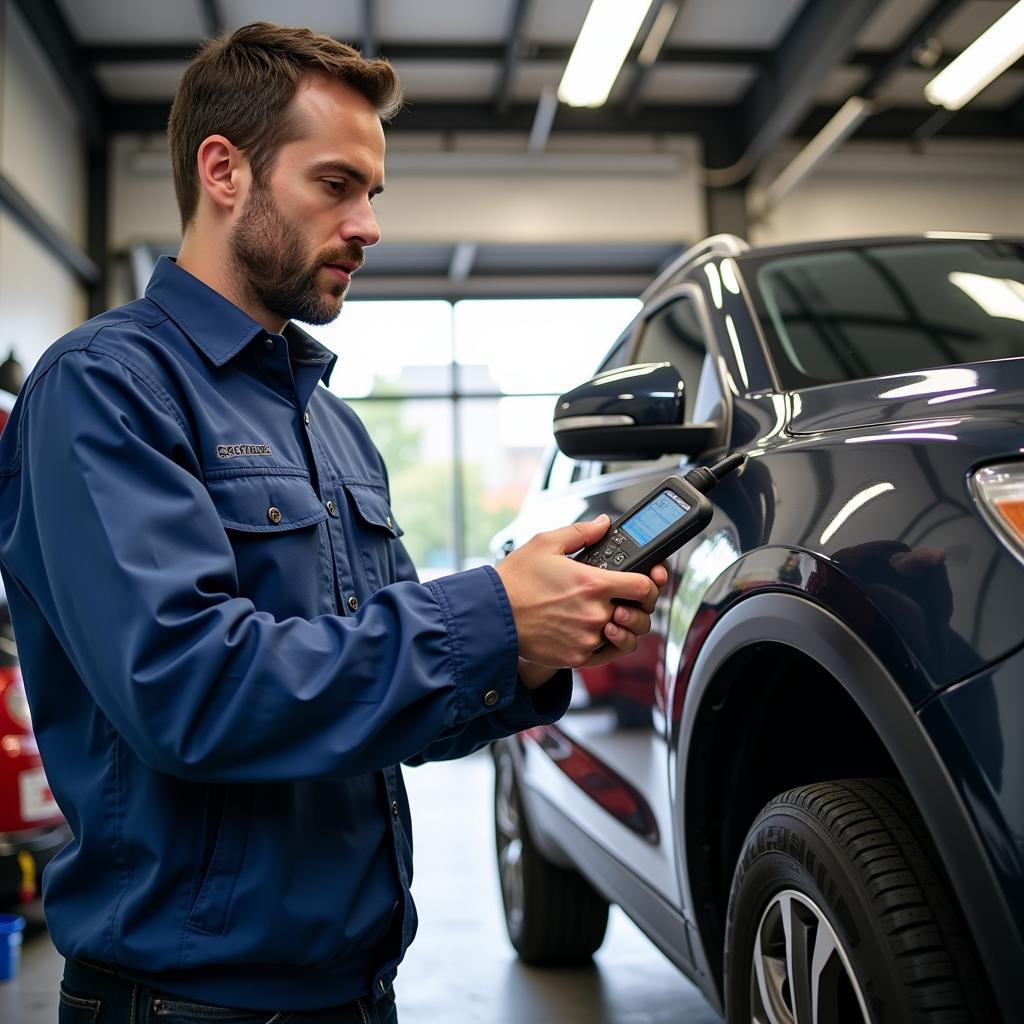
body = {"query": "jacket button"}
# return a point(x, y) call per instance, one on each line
point(353, 603)
point(305, 418)
point(394, 809)
point(491, 697)
point(274, 514)
point(389, 521)
point(268, 343)
point(332, 509)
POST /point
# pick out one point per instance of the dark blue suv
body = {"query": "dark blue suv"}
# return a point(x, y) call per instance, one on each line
point(807, 785)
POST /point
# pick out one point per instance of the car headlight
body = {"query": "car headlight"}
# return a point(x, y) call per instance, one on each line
point(1000, 492)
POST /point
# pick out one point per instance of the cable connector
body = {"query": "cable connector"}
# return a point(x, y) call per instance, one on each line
point(707, 478)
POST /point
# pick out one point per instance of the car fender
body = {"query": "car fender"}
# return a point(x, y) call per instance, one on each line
point(798, 622)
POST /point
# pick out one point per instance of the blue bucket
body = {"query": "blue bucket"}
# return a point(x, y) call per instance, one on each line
point(11, 927)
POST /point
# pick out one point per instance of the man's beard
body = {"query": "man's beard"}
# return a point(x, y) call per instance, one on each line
point(270, 261)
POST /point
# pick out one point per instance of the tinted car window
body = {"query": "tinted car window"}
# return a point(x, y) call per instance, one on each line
point(673, 335)
point(620, 355)
point(870, 311)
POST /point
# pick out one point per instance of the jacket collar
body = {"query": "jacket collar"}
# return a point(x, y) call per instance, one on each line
point(217, 327)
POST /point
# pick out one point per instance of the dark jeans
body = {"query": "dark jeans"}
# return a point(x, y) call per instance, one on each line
point(92, 994)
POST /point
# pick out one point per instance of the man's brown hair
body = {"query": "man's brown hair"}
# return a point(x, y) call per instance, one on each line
point(240, 86)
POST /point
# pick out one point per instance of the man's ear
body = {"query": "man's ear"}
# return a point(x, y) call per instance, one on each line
point(224, 173)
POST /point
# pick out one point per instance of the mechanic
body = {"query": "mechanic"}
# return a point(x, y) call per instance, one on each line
point(225, 646)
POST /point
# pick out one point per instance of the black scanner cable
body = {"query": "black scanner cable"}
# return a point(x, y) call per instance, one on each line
point(707, 478)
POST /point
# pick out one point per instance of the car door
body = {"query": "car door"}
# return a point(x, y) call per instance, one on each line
point(608, 760)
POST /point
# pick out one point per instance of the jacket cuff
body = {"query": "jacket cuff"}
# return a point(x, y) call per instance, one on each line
point(482, 640)
point(541, 706)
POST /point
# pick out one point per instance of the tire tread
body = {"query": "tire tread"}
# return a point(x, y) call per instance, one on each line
point(874, 824)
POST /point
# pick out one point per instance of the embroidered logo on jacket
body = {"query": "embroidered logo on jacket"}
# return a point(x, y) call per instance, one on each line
point(232, 451)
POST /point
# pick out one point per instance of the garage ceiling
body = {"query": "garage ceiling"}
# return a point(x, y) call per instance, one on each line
point(484, 65)
point(743, 75)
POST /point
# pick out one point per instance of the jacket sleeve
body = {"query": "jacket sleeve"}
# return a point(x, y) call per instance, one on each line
point(137, 578)
point(528, 708)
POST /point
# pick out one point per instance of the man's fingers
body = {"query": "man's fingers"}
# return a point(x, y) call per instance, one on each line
point(577, 535)
point(636, 621)
point(631, 586)
point(623, 639)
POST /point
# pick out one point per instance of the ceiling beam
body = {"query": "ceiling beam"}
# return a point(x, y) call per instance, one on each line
point(370, 48)
point(902, 123)
point(213, 23)
point(543, 120)
point(903, 55)
point(47, 24)
point(429, 52)
point(718, 123)
point(818, 41)
point(13, 203)
point(471, 117)
point(660, 19)
point(1016, 114)
point(461, 263)
point(515, 48)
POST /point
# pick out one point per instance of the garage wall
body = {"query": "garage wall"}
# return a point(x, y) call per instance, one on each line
point(39, 300)
point(876, 190)
point(489, 190)
point(480, 189)
point(42, 154)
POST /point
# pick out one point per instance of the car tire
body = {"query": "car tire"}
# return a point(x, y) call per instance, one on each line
point(554, 916)
point(839, 900)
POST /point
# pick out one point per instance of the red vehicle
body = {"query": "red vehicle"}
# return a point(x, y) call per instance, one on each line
point(32, 828)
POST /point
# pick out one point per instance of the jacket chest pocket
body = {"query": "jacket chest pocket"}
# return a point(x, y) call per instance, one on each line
point(377, 532)
point(274, 525)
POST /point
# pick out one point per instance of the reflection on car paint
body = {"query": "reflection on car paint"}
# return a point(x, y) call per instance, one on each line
point(597, 780)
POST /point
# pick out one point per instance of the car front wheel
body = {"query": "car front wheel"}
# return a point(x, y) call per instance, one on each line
point(841, 914)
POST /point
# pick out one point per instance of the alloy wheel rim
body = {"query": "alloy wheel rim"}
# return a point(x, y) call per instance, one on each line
point(800, 973)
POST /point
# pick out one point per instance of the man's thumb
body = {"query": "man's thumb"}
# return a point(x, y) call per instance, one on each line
point(579, 535)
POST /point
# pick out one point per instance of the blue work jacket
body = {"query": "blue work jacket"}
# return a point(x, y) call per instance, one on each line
point(227, 655)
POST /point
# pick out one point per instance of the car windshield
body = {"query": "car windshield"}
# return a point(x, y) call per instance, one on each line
point(874, 310)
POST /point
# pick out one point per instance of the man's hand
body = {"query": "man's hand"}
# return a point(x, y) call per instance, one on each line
point(565, 609)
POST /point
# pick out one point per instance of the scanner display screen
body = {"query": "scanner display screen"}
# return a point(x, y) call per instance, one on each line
point(655, 517)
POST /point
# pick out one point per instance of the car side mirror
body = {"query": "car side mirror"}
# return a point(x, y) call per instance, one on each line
point(630, 413)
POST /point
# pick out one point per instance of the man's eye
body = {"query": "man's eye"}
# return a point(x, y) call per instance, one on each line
point(337, 187)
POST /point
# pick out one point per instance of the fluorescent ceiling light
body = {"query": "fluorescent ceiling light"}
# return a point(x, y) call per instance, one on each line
point(981, 63)
point(605, 39)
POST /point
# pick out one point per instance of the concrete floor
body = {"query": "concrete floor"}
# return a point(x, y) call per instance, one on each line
point(461, 969)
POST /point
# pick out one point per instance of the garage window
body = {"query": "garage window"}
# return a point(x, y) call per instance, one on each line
point(459, 398)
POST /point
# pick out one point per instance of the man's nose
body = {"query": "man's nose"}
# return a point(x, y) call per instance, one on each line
point(361, 227)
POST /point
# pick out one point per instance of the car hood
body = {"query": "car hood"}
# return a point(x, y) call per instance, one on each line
point(926, 399)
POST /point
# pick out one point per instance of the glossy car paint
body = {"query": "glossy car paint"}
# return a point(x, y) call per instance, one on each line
point(855, 501)
point(976, 726)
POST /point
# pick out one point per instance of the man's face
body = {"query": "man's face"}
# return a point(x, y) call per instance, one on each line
point(302, 231)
